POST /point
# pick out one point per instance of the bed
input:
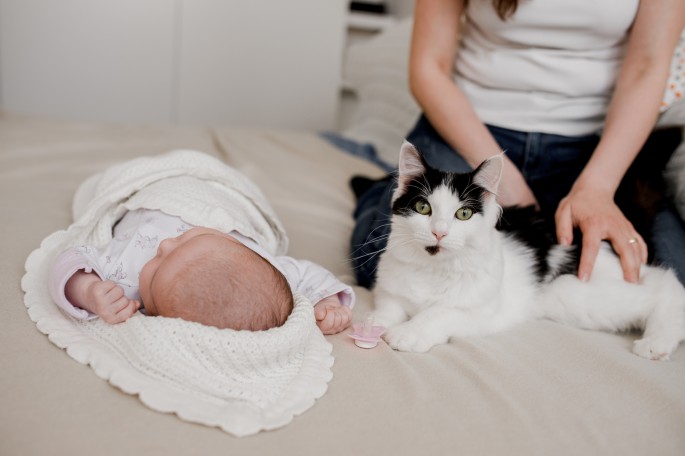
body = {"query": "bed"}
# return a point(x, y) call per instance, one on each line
point(540, 388)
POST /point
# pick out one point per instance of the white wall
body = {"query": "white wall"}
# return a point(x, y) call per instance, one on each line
point(256, 62)
point(277, 61)
point(110, 60)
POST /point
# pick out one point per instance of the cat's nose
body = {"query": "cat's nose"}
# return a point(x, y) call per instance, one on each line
point(439, 235)
point(439, 230)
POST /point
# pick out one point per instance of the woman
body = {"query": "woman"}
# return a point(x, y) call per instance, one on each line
point(570, 90)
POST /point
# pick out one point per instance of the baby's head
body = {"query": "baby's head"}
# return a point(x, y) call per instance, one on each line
point(211, 278)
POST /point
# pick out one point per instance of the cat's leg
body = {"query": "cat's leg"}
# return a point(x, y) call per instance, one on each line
point(436, 325)
point(609, 303)
point(430, 328)
point(388, 310)
point(664, 327)
point(419, 334)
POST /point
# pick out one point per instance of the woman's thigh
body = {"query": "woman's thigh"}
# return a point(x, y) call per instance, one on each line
point(668, 238)
point(370, 233)
point(437, 153)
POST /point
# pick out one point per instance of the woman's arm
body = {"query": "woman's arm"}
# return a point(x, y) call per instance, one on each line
point(630, 119)
point(433, 47)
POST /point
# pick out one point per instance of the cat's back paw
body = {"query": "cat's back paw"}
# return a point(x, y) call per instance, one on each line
point(658, 348)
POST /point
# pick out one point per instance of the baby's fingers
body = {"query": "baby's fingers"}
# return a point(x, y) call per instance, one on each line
point(320, 311)
point(346, 317)
point(336, 320)
point(129, 310)
point(121, 310)
point(115, 293)
point(324, 323)
point(328, 323)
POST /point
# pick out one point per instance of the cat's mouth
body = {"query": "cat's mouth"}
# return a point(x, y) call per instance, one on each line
point(433, 249)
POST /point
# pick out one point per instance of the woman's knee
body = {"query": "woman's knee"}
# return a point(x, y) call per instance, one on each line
point(434, 149)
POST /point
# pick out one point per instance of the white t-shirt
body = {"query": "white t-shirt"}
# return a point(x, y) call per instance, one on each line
point(549, 68)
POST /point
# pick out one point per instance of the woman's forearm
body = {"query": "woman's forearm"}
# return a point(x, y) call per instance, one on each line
point(454, 118)
point(639, 89)
point(433, 47)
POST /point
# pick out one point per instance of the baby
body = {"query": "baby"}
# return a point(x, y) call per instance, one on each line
point(174, 269)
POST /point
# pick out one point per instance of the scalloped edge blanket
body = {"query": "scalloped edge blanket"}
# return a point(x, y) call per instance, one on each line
point(240, 381)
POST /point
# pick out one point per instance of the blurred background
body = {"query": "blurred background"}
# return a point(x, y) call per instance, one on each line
point(188, 62)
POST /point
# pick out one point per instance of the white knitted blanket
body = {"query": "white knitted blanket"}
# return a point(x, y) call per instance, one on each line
point(240, 381)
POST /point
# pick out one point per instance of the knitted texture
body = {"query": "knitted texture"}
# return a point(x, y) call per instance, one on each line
point(240, 381)
point(192, 185)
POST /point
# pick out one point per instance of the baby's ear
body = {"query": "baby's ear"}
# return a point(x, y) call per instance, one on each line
point(411, 166)
point(489, 173)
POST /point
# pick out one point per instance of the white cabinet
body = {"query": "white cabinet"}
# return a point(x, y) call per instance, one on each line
point(209, 62)
point(277, 62)
point(87, 59)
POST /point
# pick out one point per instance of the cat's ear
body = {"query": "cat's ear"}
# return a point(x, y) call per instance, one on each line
point(411, 166)
point(489, 173)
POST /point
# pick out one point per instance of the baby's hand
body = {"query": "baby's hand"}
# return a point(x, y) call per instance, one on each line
point(109, 302)
point(331, 316)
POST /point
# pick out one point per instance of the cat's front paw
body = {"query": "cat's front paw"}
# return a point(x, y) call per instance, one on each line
point(655, 347)
point(405, 337)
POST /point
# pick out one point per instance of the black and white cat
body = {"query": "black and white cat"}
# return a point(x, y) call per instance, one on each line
point(448, 271)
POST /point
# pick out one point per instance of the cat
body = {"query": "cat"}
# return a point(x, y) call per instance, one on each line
point(458, 265)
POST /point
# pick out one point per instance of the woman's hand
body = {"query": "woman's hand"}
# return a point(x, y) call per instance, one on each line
point(513, 188)
point(593, 211)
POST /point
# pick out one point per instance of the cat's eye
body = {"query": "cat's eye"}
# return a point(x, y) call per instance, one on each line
point(464, 213)
point(422, 207)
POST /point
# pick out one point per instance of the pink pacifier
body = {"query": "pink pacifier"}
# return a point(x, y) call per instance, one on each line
point(366, 334)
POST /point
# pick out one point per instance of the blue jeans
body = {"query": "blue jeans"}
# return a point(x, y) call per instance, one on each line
point(550, 164)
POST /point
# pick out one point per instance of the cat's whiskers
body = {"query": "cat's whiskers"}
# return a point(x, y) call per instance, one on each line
point(369, 240)
point(466, 196)
point(393, 245)
point(422, 187)
point(371, 255)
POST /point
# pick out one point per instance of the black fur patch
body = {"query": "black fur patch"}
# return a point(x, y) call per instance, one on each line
point(433, 249)
point(529, 227)
point(420, 187)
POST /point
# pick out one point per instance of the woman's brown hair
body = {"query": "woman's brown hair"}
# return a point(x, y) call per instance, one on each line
point(505, 8)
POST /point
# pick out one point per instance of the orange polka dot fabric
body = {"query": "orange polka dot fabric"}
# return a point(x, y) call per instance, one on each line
point(675, 87)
